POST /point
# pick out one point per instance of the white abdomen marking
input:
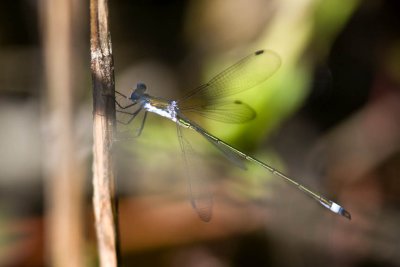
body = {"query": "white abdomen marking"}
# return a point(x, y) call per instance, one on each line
point(168, 113)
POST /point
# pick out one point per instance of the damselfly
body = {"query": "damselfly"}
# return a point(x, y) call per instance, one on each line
point(209, 100)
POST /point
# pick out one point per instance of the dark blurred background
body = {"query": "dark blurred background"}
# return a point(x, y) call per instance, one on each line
point(329, 117)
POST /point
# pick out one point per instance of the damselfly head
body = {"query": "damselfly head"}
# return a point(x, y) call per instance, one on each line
point(138, 92)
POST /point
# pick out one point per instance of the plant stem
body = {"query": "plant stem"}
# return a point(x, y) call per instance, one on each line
point(104, 198)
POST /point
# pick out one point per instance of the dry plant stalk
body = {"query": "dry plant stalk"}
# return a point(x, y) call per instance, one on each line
point(104, 199)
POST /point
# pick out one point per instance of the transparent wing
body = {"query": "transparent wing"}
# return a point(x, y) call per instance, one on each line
point(200, 192)
point(245, 74)
point(229, 112)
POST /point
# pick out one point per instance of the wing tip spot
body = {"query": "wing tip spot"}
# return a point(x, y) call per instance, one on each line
point(259, 52)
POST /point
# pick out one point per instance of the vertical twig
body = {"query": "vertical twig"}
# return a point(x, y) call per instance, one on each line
point(104, 199)
point(64, 175)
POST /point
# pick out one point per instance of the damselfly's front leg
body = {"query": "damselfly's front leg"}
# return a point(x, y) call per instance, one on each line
point(121, 106)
